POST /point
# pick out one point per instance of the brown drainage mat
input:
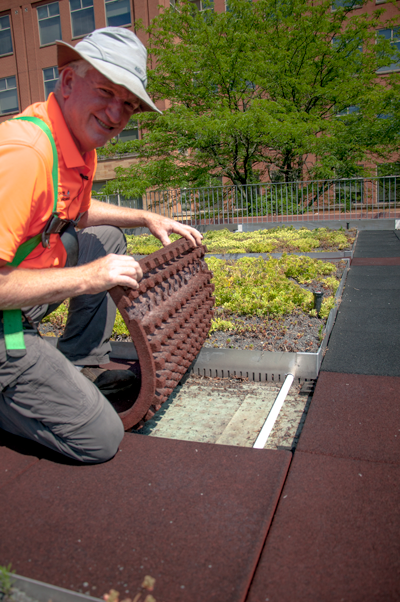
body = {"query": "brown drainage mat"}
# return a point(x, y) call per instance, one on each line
point(168, 318)
point(193, 516)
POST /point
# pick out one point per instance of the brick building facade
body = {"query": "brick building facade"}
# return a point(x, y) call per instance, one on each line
point(28, 55)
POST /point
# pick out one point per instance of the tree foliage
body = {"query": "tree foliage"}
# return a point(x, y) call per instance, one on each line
point(262, 91)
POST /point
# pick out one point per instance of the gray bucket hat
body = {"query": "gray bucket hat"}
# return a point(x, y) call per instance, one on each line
point(118, 54)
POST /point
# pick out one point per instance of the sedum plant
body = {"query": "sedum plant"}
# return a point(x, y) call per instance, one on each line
point(254, 286)
point(279, 239)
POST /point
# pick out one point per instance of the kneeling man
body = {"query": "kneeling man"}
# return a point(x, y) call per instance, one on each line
point(47, 165)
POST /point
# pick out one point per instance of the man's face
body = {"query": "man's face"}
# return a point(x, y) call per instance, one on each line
point(95, 109)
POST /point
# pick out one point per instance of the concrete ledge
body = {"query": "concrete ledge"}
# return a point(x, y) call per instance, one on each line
point(43, 592)
point(347, 224)
point(329, 256)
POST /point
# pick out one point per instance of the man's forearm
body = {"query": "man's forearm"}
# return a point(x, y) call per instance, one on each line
point(26, 288)
point(100, 214)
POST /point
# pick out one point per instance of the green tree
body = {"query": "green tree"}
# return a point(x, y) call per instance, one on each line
point(263, 90)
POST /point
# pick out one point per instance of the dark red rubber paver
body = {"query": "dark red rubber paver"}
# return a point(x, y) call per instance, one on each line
point(192, 515)
point(334, 535)
point(354, 416)
point(15, 457)
point(375, 261)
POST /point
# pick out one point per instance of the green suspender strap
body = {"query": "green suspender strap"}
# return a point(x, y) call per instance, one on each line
point(12, 318)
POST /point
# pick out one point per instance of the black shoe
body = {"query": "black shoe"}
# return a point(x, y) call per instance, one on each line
point(111, 381)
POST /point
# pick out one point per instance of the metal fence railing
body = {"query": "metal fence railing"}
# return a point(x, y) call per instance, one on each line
point(118, 199)
point(315, 200)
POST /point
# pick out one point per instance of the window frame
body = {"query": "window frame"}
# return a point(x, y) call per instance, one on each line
point(11, 37)
point(48, 17)
point(388, 69)
point(203, 9)
point(13, 112)
point(81, 35)
point(350, 110)
point(130, 12)
point(357, 5)
point(54, 67)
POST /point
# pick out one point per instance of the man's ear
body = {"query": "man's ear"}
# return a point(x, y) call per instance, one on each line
point(68, 76)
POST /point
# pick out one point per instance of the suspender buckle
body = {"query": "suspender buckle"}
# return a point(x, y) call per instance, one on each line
point(55, 225)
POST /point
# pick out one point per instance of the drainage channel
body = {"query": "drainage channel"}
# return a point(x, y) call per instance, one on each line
point(230, 411)
point(273, 413)
point(30, 590)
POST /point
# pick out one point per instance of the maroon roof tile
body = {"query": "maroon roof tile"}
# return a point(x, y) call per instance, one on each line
point(354, 416)
point(192, 515)
point(334, 536)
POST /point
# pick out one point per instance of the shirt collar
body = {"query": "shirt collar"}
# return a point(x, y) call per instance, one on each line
point(71, 155)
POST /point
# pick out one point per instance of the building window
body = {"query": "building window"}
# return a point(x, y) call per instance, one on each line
point(393, 36)
point(118, 12)
point(340, 44)
point(349, 110)
point(5, 36)
point(115, 199)
point(388, 169)
point(96, 188)
point(50, 77)
point(8, 95)
point(82, 17)
point(347, 4)
point(130, 133)
point(203, 5)
point(49, 23)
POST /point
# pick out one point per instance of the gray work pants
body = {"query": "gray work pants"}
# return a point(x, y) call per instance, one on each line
point(43, 397)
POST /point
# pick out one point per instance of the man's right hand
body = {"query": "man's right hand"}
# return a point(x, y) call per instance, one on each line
point(112, 270)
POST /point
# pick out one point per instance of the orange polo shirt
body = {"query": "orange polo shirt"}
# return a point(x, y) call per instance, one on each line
point(26, 186)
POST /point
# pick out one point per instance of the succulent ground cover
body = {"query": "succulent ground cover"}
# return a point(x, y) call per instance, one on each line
point(269, 304)
point(282, 239)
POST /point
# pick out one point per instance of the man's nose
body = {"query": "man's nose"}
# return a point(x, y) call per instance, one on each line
point(115, 110)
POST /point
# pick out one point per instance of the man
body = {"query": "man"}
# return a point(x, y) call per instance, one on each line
point(43, 395)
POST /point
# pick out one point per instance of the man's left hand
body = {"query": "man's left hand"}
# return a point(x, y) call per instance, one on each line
point(161, 227)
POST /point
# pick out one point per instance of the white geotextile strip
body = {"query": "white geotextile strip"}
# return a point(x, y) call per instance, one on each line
point(273, 413)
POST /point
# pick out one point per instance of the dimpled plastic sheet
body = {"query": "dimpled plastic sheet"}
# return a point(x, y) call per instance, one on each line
point(168, 318)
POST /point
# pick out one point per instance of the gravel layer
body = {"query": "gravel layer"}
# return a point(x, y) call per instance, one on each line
point(296, 332)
